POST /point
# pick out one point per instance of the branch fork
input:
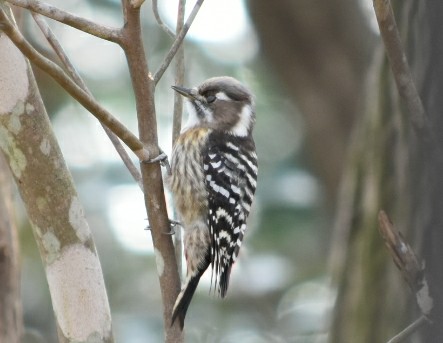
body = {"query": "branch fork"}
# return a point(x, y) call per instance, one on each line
point(144, 81)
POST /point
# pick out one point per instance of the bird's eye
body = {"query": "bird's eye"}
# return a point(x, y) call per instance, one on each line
point(210, 99)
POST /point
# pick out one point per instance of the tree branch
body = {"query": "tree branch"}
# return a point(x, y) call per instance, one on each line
point(178, 41)
point(82, 24)
point(400, 68)
point(177, 117)
point(73, 89)
point(144, 88)
point(408, 331)
point(160, 22)
point(413, 273)
point(53, 41)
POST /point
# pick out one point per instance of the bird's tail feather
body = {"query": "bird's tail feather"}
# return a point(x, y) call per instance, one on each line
point(184, 299)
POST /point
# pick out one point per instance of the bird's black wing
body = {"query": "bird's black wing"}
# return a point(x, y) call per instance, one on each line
point(230, 168)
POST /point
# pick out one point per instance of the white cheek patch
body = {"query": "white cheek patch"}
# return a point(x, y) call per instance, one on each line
point(193, 119)
point(242, 127)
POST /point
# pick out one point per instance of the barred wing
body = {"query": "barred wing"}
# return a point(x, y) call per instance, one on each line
point(230, 168)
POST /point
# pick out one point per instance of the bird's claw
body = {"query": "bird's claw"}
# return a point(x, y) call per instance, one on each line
point(172, 224)
point(162, 158)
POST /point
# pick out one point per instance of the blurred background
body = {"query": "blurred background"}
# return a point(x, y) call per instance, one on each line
point(306, 62)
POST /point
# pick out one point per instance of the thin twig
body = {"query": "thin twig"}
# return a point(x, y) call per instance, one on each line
point(178, 41)
point(160, 22)
point(179, 75)
point(400, 68)
point(413, 273)
point(177, 117)
point(407, 332)
point(55, 44)
point(402, 254)
point(125, 157)
point(58, 49)
point(87, 101)
point(82, 24)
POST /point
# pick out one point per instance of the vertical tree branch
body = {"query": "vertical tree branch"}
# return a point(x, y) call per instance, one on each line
point(144, 87)
point(177, 118)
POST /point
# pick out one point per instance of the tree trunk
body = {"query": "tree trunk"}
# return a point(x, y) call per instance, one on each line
point(46, 187)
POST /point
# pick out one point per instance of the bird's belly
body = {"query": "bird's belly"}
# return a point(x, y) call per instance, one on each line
point(188, 185)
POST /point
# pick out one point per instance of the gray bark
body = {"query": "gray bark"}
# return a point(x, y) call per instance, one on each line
point(46, 187)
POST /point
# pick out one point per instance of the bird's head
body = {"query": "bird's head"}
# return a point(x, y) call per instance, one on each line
point(220, 103)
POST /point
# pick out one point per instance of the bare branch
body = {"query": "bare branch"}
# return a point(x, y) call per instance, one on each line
point(179, 75)
point(125, 157)
point(406, 261)
point(402, 254)
point(53, 41)
point(177, 118)
point(407, 332)
point(178, 41)
point(399, 65)
point(82, 24)
point(160, 22)
point(144, 87)
point(413, 273)
point(73, 89)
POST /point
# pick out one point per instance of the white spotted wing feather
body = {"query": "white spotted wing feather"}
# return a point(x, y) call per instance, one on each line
point(231, 173)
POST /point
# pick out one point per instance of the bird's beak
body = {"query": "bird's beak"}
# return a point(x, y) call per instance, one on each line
point(187, 92)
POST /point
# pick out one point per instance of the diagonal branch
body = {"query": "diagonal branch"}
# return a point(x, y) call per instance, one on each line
point(53, 41)
point(73, 89)
point(178, 41)
point(55, 44)
point(82, 24)
point(408, 331)
point(400, 68)
point(412, 271)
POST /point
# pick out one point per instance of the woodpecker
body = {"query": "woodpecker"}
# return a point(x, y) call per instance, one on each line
point(213, 181)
